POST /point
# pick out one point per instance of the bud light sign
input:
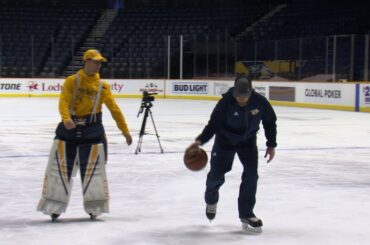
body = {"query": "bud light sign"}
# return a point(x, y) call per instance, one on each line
point(190, 88)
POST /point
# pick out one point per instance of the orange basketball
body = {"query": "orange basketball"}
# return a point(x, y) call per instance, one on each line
point(195, 159)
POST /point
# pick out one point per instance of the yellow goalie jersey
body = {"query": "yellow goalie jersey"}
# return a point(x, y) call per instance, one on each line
point(83, 100)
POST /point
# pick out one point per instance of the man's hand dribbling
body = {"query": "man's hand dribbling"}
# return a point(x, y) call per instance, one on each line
point(194, 146)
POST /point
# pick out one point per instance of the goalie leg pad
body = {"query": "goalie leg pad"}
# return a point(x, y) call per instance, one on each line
point(94, 179)
point(58, 182)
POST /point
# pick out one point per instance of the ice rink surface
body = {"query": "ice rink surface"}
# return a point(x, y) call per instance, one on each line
point(316, 190)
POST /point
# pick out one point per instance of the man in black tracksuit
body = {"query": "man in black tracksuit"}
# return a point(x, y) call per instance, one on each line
point(235, 121)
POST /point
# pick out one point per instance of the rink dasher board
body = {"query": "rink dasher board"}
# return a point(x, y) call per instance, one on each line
point(321, 95)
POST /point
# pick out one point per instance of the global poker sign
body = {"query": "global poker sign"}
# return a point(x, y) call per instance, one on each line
point(323, 93)
point(333, 94)
point(190, 88)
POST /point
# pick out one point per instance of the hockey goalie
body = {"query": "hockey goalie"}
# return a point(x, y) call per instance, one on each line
point(80, 144)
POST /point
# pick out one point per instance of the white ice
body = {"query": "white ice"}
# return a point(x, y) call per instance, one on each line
point(316, 190)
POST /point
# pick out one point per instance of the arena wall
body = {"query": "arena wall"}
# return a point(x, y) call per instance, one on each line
point(338, 96)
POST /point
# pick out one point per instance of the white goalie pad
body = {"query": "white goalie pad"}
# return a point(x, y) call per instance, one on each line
point(57, 185)
point(95, 184)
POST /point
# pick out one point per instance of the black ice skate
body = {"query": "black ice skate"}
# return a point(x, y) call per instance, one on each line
point(252, 224)
point(93, 216)
point(211, 211)
point(54, 217)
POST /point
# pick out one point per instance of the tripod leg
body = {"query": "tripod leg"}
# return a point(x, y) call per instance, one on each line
point(142, 131)
point(156, 132)
point(138, 148)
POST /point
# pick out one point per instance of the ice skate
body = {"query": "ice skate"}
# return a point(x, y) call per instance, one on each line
point(252, 224)
point(93, 216)
point(211, 210)
point(54, 217)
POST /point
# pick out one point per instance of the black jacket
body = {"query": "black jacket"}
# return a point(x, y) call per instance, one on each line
point(235, 125)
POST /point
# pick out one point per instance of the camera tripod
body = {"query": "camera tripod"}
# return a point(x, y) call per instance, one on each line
point(147, 112)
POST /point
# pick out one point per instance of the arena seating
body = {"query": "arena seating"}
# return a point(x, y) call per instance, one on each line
point(28, 36)
point(137, 39)
point(40, 42)
point(313, 23)
point(312, 19)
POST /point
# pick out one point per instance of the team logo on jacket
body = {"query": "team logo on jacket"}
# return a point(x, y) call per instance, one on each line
point(236, 114)
point(254, 112)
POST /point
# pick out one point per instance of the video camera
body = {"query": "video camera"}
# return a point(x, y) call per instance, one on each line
point(146, 101)
point(148, 97)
